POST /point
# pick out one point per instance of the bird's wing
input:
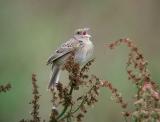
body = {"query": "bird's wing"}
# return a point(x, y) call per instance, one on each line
point(64, 49)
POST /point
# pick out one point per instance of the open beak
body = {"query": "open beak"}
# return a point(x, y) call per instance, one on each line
point(88, 36)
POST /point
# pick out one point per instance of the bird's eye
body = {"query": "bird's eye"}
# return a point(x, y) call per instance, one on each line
point(84, 33)
point(78, 32)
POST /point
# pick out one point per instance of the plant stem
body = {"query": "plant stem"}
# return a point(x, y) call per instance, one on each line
point(125, 118)
point(78, 106)
point(66, 106)
point(84, 99)
point(72, 112)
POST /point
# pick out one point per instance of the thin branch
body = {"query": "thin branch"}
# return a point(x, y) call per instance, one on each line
point(66, 105)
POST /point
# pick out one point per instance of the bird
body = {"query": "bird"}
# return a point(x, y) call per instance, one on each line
point(83, 49)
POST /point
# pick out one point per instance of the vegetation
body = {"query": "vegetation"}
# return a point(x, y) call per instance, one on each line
point(69, 104)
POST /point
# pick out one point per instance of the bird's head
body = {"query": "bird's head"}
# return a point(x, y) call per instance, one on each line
point(82, 34)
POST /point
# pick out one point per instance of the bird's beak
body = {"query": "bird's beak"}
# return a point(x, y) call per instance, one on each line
point(88, 36)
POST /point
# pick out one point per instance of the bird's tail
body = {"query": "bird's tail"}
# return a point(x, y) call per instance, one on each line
point(54, 77)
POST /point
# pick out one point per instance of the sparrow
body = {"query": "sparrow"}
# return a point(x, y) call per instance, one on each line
point(83, 48)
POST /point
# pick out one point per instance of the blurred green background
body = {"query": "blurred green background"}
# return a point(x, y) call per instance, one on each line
point(30, 30)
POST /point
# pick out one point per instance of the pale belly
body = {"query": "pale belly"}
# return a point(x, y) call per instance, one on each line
point(82, 55)
point(85, 53)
